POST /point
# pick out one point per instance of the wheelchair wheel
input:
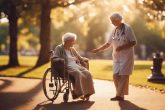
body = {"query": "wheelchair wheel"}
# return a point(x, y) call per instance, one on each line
point(50, 85)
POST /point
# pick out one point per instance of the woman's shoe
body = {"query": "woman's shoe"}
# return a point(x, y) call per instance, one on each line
point(117, 98)
point(82, 97)
point(85, 98)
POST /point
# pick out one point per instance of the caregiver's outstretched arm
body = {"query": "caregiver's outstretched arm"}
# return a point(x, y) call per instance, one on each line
point(102, 47)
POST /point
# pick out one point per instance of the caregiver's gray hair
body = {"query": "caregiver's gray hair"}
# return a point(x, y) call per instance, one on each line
point(116, 16)
point(68, 36)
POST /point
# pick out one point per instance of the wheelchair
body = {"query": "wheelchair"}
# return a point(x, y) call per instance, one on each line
point(56, 80)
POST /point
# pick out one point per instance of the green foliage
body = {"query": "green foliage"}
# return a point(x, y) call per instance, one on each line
point(150, 37)
point(3, 34)
point(154, 9)
point(87, 23)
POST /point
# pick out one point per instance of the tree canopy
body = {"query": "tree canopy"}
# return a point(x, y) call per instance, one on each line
point(47, 20)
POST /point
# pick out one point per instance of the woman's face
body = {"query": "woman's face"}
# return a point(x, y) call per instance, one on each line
point(70, 43)
point(115, 22)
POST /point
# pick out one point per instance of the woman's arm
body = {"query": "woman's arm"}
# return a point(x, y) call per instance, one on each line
point(126, 46)
point(104, 46)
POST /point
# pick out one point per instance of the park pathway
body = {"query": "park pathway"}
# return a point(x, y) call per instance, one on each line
point(27, 94)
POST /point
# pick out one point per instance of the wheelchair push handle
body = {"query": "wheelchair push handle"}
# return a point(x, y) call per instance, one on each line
point(51, 52)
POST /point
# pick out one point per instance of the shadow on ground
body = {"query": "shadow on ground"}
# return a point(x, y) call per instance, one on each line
point(4, 67)
point(10, 100)
point(75, 105)
point(5, 83)
point(127, 105)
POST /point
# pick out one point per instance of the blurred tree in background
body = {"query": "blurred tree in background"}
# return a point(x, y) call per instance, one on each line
point(154, 13)
point(15, 9)
point(94, 22)
point(46, 6)
point(154, 9)
point(9, 8)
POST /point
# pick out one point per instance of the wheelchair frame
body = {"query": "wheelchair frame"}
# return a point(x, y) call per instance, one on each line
point(54, 83)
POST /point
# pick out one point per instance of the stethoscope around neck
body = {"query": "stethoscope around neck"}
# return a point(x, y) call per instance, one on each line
point(122, 32)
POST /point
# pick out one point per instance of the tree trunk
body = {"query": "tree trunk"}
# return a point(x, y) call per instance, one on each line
point(13, 55)
point(44, 33)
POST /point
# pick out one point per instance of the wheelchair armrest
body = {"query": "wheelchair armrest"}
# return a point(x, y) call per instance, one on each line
point(51, 52)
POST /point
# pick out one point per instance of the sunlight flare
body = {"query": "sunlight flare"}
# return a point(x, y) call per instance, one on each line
point(4, 20)
point(81, 19)
point(126, 9)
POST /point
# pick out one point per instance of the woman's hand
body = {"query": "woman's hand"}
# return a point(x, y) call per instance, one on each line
point(104, 46)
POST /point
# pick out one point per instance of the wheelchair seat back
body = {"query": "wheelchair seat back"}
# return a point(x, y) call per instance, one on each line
point(58, 67)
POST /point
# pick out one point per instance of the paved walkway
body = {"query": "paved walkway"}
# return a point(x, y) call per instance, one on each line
point(27, 94)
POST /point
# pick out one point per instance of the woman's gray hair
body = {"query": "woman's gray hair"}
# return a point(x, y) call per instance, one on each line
point(68, 36)
point(116, 16)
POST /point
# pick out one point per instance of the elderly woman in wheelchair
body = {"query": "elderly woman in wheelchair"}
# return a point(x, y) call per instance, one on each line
point(75, 66)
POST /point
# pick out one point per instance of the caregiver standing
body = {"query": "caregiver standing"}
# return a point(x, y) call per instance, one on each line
point(122, 40)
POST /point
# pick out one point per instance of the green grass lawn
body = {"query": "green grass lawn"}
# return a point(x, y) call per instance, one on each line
point(100, 69)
